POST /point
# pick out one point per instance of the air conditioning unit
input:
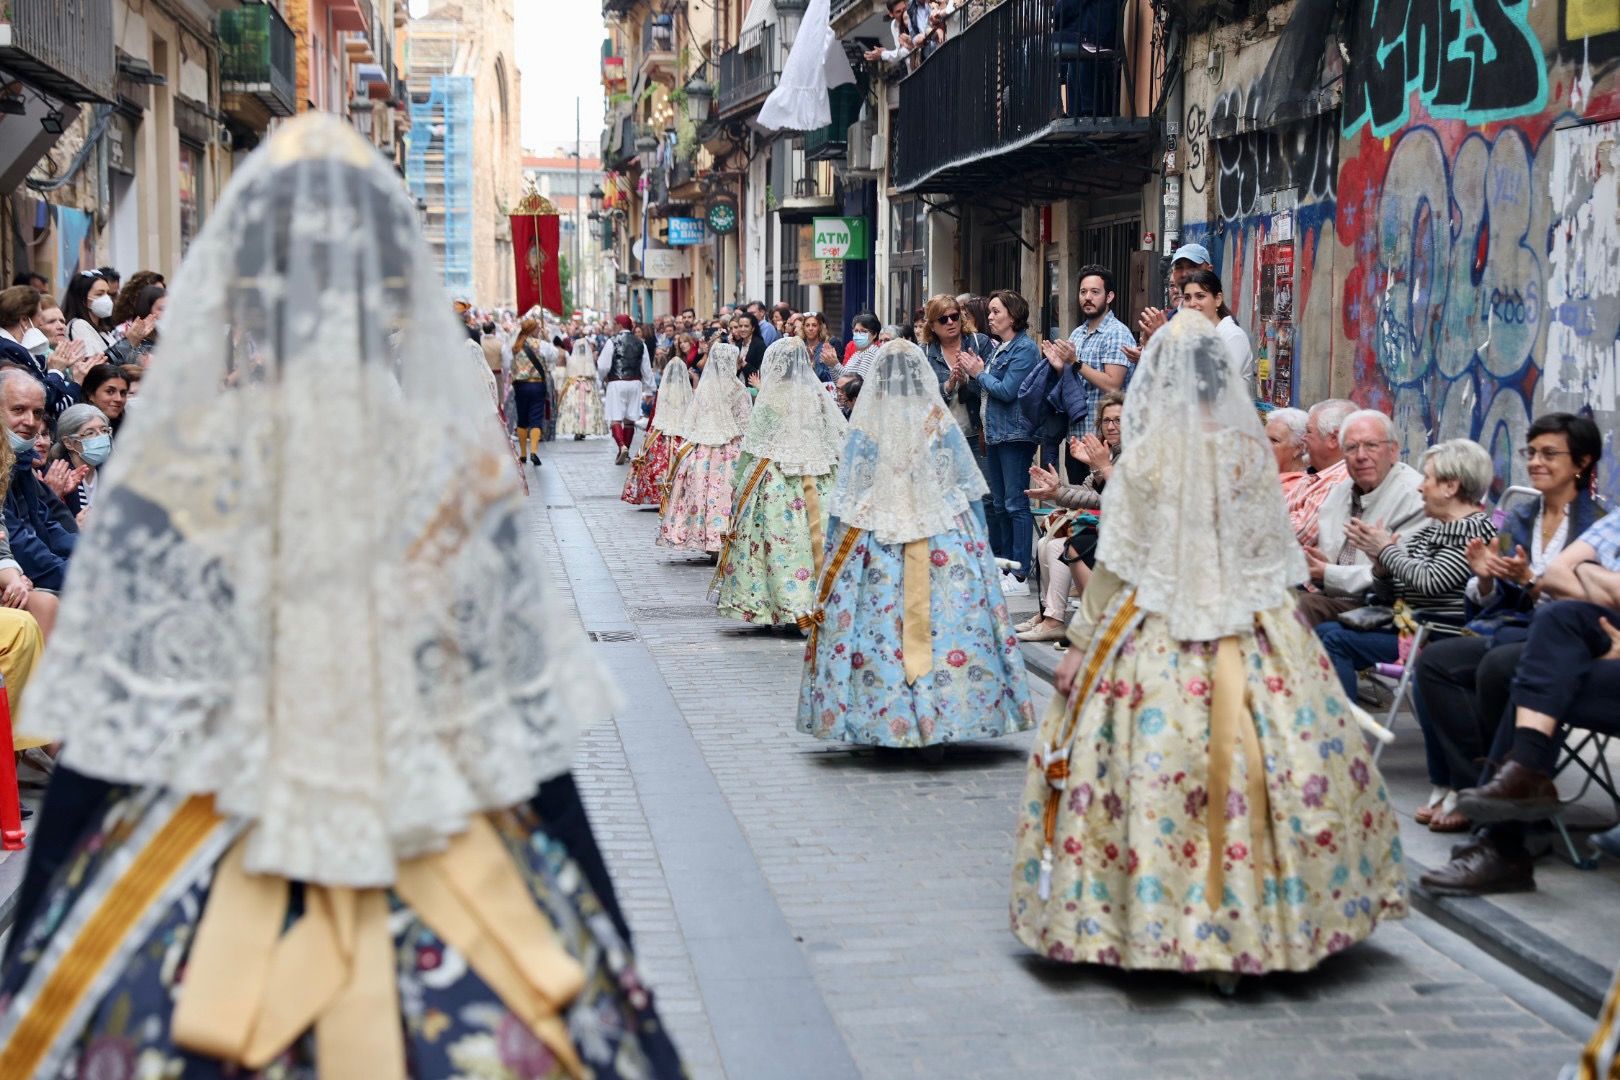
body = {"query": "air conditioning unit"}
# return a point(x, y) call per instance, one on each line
point(864, 148)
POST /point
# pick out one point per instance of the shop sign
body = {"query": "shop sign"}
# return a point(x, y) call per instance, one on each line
point(839, 238)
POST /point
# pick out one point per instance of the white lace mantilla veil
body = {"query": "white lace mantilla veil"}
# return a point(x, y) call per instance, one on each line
point(674, 398)
point(1193, 516)
point(907, 472)
point(795, 422)
point(352, 649)
point(716, 416)
point(582, 361)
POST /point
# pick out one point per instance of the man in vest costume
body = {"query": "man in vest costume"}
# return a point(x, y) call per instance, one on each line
point(625, 369)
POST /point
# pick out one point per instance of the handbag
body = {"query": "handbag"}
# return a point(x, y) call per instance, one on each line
point(1369, 617)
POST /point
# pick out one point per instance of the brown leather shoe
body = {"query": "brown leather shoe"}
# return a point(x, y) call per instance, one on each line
point(1516, 793)
point(1480, 869)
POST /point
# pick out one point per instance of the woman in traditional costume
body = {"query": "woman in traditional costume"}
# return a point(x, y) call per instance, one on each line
point(306, 712)
point(650, 470)
point(579, 403)
point(767, 570)
point(911, 643)
point(1203, 801)
point(697, 513)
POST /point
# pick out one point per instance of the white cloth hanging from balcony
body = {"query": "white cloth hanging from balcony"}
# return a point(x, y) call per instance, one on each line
point(815, 64)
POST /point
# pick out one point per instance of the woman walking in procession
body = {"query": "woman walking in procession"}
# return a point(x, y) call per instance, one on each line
point(1203, 800)
point(531, 389)
point(697, 513)
point(649, 472)
point(773, 552)
point(276, 862)
point(911, 643)
point(579, 405)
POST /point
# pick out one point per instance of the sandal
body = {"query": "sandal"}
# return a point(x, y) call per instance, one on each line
point(1437, 797)
point(1449, 821)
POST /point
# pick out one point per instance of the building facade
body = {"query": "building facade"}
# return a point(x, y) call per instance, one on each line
point(154, 102)
point(464, 147)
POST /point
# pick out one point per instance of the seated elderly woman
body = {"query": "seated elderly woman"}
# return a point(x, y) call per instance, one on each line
point(1427, 570)
point(83, 444)
point(1285, 429)
point(1067, 550)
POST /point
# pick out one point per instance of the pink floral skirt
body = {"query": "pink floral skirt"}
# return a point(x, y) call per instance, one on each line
point(699, 509)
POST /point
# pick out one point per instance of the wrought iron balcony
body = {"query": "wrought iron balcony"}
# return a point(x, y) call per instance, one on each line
point(748, 77)
point(1017, 104)
point(258, 58)
point(64, 47)
point(827, 143)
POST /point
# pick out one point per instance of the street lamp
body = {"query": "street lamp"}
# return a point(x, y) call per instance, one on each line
point(597, 195)
point(646, 148)
point(699, 94)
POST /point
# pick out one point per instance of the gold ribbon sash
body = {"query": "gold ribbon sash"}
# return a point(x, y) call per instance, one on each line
point(818, 529)
point(829, 575)
point(739, 507)
point(916, 627)
point(668, 484)
point(251, 990)
point(140, 885)
point(1231, 726)
point(1054, 756)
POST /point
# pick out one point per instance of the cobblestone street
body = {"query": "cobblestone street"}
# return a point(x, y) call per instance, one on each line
point(806, 910)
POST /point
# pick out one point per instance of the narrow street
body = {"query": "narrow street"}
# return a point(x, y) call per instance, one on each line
point(810, 911)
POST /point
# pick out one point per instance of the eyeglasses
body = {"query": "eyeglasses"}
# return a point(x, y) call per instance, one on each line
point(1111, 423)
point(1531, 453)
point(949, 317)
point(1352, 449)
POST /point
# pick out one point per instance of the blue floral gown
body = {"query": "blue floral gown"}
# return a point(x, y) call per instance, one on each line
point(452, 1024)
point(854, 687)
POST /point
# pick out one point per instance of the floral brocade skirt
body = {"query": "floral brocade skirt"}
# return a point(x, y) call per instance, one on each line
point(698, 512)
point(769, 573)
point(650, 470)
point(579, 410)
point(854, 687)
point(450, 1021)
point(1130, 871)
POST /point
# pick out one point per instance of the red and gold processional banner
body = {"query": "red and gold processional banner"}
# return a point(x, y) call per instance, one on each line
point(536, 238)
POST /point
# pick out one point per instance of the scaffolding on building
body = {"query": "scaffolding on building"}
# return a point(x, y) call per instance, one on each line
point(439, 162)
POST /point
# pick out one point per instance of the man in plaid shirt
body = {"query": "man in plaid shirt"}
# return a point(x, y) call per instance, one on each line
point(1093, 359)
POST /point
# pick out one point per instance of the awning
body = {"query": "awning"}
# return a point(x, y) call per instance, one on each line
point(759, 13)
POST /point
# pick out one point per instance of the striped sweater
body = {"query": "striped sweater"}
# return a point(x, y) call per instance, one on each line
point(1429, 569)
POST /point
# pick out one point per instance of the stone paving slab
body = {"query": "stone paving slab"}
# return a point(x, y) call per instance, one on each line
point(893, 878)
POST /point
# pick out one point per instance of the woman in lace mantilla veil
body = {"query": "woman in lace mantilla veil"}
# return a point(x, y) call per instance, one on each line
point(579, 402)
point(295, 830)
point(649, 471)
point(911, 642)
point(1203, 801)
point(697, 512)
point(789, 459)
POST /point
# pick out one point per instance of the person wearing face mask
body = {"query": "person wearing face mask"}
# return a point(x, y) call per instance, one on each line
point(864, 332)
point(83, 444)
point(88, 306)
point(42, 532)
point(19, 337)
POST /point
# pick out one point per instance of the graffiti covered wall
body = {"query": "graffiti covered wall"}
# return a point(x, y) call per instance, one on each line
point(1462, 268)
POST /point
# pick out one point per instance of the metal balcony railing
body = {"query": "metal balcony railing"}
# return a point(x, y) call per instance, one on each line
point(747, 78)
point(64, 47)
point(1003, 83)
point(258, 57)
point(828, 143)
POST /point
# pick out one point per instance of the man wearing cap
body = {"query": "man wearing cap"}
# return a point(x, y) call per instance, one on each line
point(625, 368)
point(1188, 257)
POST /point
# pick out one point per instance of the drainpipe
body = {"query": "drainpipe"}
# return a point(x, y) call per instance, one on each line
point(1174, 153)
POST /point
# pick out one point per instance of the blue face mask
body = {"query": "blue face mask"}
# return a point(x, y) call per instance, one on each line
point(23, 448)
point(862, 339)
point(96, 449)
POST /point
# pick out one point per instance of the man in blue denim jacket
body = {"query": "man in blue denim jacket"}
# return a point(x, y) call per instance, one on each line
point(1009, 434)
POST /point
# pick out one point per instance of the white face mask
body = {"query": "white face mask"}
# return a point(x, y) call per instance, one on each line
point(102, 306)
point(35, 341)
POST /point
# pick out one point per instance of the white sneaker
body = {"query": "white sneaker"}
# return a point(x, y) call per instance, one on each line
point(1011, 586)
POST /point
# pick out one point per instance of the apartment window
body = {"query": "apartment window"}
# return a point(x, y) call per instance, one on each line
point(191, 192)
point(908, 263)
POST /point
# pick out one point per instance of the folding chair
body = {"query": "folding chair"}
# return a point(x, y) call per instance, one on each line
point(1429, 624)
point(1597, 772)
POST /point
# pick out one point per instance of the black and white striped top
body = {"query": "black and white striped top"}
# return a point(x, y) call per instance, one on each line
point(1429, 569)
